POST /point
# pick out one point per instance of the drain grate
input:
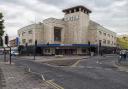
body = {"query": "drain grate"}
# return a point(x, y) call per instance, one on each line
point(2, 80)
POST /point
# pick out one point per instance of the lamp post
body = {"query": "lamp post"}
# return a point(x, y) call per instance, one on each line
point(34, 37)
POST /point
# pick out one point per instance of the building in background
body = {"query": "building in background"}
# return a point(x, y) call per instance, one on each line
point(98, 33)
point(31, 33)
point(70, 35)
point(12, 43)
point(122, 41)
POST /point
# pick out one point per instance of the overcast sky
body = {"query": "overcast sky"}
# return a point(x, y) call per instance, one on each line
point(112, 14)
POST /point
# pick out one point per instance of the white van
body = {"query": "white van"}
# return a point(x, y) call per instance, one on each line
point(14, 51)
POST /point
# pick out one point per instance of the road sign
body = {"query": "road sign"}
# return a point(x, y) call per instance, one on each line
point(17, 41)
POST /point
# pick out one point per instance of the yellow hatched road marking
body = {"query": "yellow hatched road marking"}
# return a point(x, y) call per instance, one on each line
point(75, 64)
point(54, 84)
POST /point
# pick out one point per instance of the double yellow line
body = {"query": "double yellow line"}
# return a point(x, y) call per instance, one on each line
point(76, 63)
point(56, 86)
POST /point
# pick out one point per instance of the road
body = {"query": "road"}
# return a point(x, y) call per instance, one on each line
point(93, 73)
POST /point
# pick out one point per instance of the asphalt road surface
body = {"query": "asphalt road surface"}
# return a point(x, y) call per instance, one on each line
point(94, 73)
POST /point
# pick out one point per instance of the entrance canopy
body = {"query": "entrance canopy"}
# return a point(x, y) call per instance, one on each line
point(66, 45)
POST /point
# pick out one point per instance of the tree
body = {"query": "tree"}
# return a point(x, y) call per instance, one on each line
point(1, 28)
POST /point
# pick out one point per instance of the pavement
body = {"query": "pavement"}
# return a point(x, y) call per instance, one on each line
point(12, 77)
point(52, 58)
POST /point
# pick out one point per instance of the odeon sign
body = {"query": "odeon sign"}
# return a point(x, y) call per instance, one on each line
point(72, 18)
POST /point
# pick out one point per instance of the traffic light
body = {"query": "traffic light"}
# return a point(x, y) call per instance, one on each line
point(1, 41)
point(6, 39)
point(35, 42)
point(88, 43)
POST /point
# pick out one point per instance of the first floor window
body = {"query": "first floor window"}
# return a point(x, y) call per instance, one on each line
point(30, 41)
point(23, 41)
point(57, 34)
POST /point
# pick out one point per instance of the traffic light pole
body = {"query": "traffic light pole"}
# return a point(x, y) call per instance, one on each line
point(6, 42)
point(4, 54)
point(35, 49)
point(10, 56)
point(98, 50)
point(34, 52)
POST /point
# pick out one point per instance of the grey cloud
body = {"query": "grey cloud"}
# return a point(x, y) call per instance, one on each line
point(54, 2)
point(103, 11)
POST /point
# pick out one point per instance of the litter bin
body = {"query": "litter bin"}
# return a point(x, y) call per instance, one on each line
point(92, 53)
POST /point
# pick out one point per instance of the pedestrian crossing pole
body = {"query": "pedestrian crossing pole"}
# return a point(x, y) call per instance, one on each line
point(6, 42)
point(99, 46)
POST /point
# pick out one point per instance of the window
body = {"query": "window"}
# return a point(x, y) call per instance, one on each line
point(108, 41)
point(112, 42)
point(104, 34)
point(30, 32)
point(108, 35)
point(23, 33)
point(30, 41)
point(104, 41)
point(57, 34)
point(47, 50)
point(23, 41)
point(100, 32)
point(71, 18)
point(77, 17)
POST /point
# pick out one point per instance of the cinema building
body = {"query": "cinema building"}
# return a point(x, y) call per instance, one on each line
point(75, 34)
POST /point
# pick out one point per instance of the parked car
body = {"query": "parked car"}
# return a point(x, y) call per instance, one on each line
point(14, 53)
point(1, 52)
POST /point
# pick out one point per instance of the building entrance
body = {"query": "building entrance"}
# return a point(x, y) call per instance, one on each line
point(66, 51)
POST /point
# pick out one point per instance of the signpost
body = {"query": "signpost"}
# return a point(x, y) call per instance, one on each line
point(17, 41)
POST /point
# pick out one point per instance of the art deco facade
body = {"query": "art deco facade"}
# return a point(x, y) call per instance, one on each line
point(69, 35)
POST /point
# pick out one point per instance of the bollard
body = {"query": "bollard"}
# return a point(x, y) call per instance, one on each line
point(29, 70)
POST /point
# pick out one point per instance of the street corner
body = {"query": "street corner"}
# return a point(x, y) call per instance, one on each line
point(13, 77)
point(121, 67)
